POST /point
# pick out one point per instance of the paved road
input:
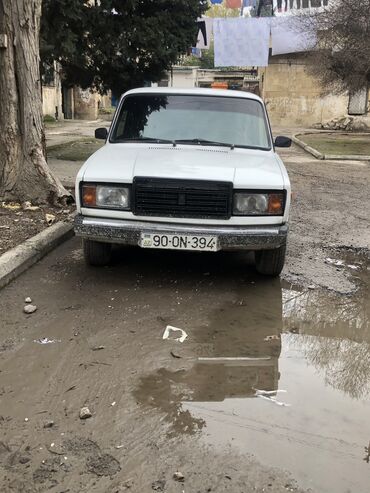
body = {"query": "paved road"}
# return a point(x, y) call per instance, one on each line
point(69, 130)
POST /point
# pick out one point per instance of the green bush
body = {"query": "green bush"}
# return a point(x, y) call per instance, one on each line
point(49, 119)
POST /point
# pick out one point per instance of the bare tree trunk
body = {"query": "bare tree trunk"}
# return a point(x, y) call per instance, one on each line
point(24, 173)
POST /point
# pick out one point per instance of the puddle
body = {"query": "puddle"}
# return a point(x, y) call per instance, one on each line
point(311, 346)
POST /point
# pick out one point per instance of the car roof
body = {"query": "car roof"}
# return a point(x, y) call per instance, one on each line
point(195, 91)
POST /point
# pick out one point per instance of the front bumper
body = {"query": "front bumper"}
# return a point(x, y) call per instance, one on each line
point(229, 238)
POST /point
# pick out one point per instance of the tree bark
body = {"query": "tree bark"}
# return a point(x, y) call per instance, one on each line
point(24, 173)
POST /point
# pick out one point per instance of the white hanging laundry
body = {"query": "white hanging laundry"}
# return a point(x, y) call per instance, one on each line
point(205, 25)
point(242, 42)
point(288, 36)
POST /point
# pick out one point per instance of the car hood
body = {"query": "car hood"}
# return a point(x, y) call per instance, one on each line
point(245, 168)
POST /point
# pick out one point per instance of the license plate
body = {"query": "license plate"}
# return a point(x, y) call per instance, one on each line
point(179, 242)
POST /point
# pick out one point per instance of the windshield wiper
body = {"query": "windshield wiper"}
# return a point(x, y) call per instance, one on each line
point(204, 142)
point(177, 141)
point(146, 139)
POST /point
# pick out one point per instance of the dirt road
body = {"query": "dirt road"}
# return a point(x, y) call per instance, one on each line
point(268, 392)
point(329, 218)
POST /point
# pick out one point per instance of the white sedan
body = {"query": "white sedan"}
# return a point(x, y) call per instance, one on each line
point(188, 170)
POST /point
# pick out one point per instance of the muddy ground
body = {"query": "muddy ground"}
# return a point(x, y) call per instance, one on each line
point(329, 217)
point(19, 222)
point(268, 392)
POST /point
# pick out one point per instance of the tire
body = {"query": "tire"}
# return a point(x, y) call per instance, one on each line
point(97, 253)
point(270, 262)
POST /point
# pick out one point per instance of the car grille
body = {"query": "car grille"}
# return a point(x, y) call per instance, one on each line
point(182, 198)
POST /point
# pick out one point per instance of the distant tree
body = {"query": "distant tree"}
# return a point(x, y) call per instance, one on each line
point(117, 44)
point(206, 61)
point(220, 10)
point(341, 60)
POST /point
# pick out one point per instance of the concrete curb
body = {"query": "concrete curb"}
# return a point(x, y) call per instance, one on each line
point(327, 157)
point(307, 148)
point(348, 157)
point(15, 261)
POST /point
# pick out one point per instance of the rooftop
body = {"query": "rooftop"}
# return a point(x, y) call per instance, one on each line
point(198, 91)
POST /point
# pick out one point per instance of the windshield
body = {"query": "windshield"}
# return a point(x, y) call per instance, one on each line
point(195, 119)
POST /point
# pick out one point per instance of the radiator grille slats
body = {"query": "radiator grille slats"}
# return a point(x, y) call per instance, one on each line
point(182, 198)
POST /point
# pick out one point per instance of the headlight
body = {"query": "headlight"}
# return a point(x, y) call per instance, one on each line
point(258, 204)
point(106, 196)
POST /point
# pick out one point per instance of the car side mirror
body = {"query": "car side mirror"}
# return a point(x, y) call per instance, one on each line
point(101, 133)
point(283, 141)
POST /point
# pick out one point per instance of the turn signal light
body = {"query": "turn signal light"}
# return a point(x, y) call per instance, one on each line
point(276, 203)
point(89, 195)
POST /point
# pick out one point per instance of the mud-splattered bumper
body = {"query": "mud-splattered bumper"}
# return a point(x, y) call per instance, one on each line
point(229, 238)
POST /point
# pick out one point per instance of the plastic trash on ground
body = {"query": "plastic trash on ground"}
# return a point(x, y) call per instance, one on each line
point(169, 329)
point(45, 340)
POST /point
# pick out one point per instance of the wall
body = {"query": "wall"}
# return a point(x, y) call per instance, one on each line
point(294, 97)
point(52, 92)
point(105, 101)
point(68, 102)
point(85, 104)
point(182, 77)
point(52, 101)
point(82, 104)
point(188, 77)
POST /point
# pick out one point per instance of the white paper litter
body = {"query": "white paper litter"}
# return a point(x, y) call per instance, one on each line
point(337, 263)
point(168, 330)
point(50, 219)
point(45, 340)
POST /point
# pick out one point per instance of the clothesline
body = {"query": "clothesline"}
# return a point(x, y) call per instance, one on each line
point(241, 42)
point(278, 6)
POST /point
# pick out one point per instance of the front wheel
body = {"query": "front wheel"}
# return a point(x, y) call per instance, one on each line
point(97, 253)
point(270, 262)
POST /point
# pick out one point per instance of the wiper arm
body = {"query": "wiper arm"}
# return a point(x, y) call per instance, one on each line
point(146, 139)
point(204, 142)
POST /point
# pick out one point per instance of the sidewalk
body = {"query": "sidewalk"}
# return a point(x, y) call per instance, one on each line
point(69, 130)
point(62, 133)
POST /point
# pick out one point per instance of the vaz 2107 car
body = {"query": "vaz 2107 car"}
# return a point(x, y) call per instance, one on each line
point(192, 169)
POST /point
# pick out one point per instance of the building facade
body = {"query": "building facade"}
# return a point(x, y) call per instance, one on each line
point(293, 97)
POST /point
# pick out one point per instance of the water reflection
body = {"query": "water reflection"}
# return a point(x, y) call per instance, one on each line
point(238, 351)
point(166, 390)
point(313, 344)
point(345, 364)
point(334, 334)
